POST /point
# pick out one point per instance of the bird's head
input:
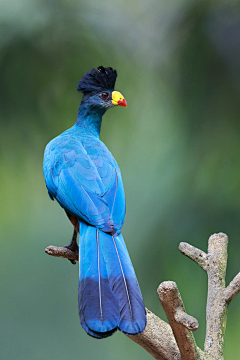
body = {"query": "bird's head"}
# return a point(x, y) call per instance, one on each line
point(98, 89)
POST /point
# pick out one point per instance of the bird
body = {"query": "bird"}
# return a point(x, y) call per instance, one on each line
point(82, 175)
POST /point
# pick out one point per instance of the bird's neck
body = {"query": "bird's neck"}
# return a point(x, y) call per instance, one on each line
point(89, 119)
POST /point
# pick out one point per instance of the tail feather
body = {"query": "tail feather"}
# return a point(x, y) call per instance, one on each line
point(124, 284)
point(95, 334)
point(98, 306)
point(109, 295)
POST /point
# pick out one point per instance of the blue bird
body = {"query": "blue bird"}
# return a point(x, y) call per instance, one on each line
point(84, 178)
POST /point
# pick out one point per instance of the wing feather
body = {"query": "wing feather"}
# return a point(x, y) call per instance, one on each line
point(85, 179)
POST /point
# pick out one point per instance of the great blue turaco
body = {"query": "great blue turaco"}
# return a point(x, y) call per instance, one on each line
point(84, 178)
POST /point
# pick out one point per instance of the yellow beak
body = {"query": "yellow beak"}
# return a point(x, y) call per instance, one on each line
point(118, 99)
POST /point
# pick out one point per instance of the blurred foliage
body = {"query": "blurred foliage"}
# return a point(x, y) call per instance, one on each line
point(177, 144)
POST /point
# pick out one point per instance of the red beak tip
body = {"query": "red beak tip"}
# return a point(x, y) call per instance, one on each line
point(122, 102)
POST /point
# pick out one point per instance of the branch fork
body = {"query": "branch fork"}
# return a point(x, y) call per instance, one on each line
point(175, 341)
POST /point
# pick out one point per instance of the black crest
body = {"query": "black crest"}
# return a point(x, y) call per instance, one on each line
point(95, 81)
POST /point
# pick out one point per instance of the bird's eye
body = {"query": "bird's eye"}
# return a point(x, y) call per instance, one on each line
point(104, 95)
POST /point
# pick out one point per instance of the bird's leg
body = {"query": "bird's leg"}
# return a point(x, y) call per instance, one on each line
point(73, 246)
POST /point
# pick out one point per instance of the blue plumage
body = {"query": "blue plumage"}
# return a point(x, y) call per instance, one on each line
point(82, 175)
point(97, 302)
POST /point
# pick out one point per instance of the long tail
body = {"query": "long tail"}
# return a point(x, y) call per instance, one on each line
point(109, 295)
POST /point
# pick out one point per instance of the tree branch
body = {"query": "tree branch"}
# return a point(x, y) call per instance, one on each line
point(233, 289)
point(186, 320)
point(172, 304)
point(176, 341)
point(158, 339)
point(61, 252)
point(216, 312)
point(199, 256)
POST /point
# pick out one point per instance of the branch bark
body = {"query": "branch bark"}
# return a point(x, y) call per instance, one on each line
point(216, 303)
point(179, 321)
point(61, 252)
point(176, 341)
point(233, 289)
point(199, 256)
point(158, 339)
point(219, 297)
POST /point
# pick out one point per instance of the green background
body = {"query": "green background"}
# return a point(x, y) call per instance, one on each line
point(177, 144)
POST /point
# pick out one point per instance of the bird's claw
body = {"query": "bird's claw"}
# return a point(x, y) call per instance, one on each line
point(73, 248)
point(72, 261)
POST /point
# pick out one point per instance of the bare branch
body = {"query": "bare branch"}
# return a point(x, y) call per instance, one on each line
point(186, 320)
point(176, 341)
point(61, 252)
point(216, 312)
point(233, 289)
point(158, 339)
point(195, 254)
point(172, 304)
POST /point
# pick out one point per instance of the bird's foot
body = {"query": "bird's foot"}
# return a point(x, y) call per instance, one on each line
point(72, 261)
point(73, 246)
point(73, 249)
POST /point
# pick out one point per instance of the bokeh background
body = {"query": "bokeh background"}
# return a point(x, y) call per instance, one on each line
point(177, 144)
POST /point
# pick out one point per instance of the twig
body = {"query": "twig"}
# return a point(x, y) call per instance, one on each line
point(61, 252)
point(186, 320)
point(172, 304)
point(233, 289)
point(195, 254)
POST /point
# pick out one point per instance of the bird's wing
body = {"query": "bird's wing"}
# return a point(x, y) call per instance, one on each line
point(85, 179)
